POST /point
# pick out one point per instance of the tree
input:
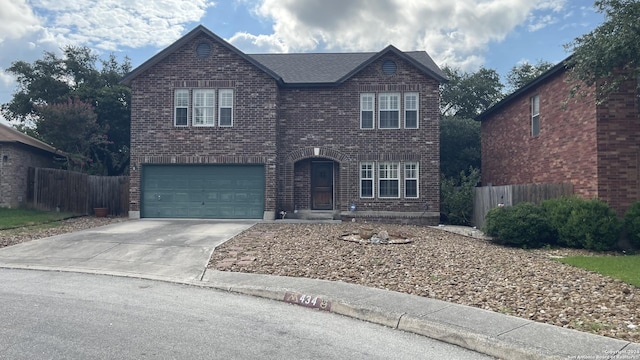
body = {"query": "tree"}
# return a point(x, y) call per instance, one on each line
point(72, 126)
point(460, 146)
point(77, 76)
point(520, 75)
point(610, 54)
point(466, 95)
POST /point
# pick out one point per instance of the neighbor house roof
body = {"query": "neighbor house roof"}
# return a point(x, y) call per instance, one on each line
point(303, 68)
point(11, 135)
point(561, 66)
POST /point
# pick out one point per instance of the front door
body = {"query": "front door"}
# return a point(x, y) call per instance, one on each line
point(322, 185)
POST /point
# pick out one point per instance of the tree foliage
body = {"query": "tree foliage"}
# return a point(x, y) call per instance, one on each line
point(466, 95)
point(460, 146)
point(521, 74)
point(610, 54)
point(63, 85)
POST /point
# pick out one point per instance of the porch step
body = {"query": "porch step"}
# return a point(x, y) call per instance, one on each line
point(315, 215)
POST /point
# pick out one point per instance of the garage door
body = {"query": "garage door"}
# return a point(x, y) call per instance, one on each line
point(203, 191)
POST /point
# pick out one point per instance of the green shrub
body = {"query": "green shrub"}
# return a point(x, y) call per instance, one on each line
point(456, 197)
point(632, 224)
point(523, 225)
point(581, 223)
point(558, 212)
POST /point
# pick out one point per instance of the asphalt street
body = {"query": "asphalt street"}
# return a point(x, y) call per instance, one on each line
point(59, 315)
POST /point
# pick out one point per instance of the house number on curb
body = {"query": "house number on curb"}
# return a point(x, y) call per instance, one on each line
point(307, 301)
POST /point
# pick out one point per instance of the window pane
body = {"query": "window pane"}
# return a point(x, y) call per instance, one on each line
point(181, 117)
point(411, 119)
point(535, 125)
point(367, 120)
point(366, 188)
point(389, 119)
point(388, 188)
point(225, 117)
point(411, 188)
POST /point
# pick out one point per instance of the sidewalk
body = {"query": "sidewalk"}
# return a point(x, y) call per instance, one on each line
point(495, 334)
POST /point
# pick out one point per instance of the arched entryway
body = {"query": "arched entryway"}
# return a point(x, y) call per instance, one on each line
point(315, 183)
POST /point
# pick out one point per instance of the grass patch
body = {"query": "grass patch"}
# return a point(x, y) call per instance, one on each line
point(12, 218)
point(625, 268)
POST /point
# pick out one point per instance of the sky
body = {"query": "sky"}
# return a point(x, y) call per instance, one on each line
point(464, 34)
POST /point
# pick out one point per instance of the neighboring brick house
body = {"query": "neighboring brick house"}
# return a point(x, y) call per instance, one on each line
point(217, 133)
point(540, 135)
point(18, 152)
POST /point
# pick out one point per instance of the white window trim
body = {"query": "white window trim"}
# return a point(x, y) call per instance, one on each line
point(416, 178)
point(372, 179)
point(372, 110)
point(390, 171)
point(211, 107)
point(221, 106)
point(417, 109)
point(535, 115)
point(380, 109)
point(176, 107)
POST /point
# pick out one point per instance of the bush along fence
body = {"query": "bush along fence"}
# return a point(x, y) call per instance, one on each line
point(566, 222)
point(54, 189)
point(489, 197)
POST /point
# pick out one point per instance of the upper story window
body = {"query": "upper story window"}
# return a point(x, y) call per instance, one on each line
point(181, 107)
point(199, 106)
point(226, 107)
point(389, 106)
point(204, 107)
point(411, 110)
point(367, 110)
point(535, 115)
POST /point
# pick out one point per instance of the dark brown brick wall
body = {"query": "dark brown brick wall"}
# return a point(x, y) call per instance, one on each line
point(280, 127)
point(328, 118)
point(593, 147)
point(252, 139)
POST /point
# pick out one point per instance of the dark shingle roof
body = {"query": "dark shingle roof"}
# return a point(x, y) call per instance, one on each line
point(324, 68)
point(11, 135)
point(302, 68)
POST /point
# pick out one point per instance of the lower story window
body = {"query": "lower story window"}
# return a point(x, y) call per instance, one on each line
point(366, 180)
point(411, 180)
point(389, 180)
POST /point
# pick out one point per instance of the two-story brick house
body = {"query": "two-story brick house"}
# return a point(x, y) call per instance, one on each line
point(539, 134)
point(217, 133)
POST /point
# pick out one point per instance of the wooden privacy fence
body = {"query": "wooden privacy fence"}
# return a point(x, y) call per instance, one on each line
point(52, 189)
point(488, 197)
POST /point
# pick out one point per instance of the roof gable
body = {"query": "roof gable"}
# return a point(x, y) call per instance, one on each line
point(11, 135)
point(302, 68)
point(200, 29)
point(532, 84)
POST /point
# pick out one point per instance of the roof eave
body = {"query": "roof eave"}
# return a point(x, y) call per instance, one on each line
point(127, 79)
point(561, 66)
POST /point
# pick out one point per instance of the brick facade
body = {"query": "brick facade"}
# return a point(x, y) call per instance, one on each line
point(594, 147)
point(286, 128)
point(15, 160)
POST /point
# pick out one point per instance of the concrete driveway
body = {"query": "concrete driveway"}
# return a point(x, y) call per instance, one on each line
point(176, 250)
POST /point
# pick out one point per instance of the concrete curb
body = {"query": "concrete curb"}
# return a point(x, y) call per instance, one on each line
point(525, 344)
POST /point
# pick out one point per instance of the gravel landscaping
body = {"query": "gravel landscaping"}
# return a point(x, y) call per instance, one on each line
point(18, 235)
point(446, 266)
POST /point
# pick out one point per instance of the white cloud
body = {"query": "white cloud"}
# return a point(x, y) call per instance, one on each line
point(16, 19)
point(112, 24)
point(453, 32)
